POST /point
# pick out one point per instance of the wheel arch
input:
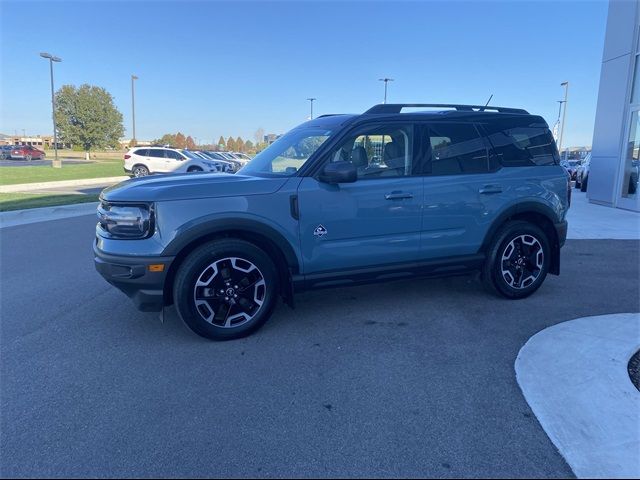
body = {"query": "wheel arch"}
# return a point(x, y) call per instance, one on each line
point(537, 214)
point(261, 235)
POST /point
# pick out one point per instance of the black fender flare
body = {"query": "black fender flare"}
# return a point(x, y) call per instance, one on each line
point(210, 226)
point(522, 209)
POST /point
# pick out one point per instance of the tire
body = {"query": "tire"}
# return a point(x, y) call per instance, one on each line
point(194, 169)
point(577, 184)
point(583, 185)
point(513, 268)
point(139, 171)
point(226, 289)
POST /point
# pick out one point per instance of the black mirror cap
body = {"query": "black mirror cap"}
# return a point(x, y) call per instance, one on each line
point(339, 172)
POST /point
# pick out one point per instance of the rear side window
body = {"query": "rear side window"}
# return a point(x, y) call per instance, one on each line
point(454, 149)
point(156, 153)
point(517, 146)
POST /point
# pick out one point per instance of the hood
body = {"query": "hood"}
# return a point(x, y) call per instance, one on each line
point(190, 185)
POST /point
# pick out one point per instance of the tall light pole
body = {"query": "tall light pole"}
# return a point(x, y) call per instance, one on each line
point(311, 101)
point(133, 109)
point(385, 80)
point(564, 115)
point(56, 163)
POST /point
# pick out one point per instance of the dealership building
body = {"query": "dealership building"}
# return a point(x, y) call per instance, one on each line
point(615, 163)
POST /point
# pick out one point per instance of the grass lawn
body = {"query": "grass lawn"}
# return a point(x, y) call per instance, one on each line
point(19, 201)
point(43, 173)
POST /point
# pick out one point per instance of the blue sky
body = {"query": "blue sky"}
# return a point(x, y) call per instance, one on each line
point(227, 68)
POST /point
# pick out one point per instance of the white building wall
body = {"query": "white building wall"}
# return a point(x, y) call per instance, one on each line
point(614, 97)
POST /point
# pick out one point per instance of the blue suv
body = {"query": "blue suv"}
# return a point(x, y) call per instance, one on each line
point(342, 200)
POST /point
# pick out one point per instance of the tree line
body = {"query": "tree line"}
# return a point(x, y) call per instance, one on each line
point(86, 116)
point(179, 140)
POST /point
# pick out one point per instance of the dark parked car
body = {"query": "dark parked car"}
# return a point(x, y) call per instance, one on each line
point(5, 151)
point(582, 173)
point(342, 200)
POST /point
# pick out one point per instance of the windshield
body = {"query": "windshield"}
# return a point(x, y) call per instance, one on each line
point(289, 153)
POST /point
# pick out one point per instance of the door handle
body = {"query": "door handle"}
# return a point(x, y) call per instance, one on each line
point(489, 189)
point(398, 195)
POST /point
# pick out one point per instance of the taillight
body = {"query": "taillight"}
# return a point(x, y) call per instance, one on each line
point(127, 156)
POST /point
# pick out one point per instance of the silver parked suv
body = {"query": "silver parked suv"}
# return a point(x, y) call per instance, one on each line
point(142, 161)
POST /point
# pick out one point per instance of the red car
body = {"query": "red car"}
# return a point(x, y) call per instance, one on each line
point(26, 152)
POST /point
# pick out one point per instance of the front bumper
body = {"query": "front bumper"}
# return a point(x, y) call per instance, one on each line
point(132, 276)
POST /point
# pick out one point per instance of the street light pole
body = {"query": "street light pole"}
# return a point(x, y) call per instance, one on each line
point(385, 80)
point(311, 100)
point(56, 163)
point(133, 109)
point(564, 114)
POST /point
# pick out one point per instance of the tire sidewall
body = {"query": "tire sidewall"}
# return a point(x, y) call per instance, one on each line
point(505, 236)
point(192, 268)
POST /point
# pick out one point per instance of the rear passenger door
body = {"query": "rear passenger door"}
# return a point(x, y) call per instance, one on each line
point(462, 193)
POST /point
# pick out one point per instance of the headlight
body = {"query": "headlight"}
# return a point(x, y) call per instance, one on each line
point(126, 221)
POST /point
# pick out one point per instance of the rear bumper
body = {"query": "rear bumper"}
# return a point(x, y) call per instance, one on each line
point(132, 276)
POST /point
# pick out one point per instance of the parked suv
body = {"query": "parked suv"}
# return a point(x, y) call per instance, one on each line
point(142, 161)
point(342, 200)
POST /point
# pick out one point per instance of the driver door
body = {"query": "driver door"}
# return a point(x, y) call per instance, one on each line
point(373, 221)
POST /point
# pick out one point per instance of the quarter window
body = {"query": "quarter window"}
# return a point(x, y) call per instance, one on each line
point(455, 149)
point(522, 145)
point(143, 152)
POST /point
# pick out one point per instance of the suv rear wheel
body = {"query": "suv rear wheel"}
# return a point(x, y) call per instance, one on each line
point(140, 171)
point(226, 289)
point(518, 260)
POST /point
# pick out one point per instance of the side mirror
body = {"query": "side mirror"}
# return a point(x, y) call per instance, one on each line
point(339, 172)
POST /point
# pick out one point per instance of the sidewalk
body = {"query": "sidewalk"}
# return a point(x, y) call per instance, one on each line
point(574, 377)
point(591, 221)
point(71, 184)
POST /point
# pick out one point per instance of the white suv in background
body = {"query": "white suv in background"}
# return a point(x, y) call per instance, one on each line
point(142, 161)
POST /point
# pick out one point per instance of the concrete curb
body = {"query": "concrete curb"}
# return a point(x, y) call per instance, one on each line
point(83, 182)
point(34, 215)
point(574, 377)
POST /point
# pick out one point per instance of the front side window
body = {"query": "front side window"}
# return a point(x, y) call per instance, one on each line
point(289, 153)
point(173, 155)
point(379, 151)
point(455, 149)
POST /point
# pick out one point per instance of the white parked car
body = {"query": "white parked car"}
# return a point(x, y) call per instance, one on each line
point(143, 161)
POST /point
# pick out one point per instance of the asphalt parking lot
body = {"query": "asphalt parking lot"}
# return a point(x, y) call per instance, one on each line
point(412, 378)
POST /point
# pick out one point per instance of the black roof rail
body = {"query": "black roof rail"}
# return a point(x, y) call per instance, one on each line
point(397, 107)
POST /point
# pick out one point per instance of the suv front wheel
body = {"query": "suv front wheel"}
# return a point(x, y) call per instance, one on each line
point(518, 260)
point(226, 289)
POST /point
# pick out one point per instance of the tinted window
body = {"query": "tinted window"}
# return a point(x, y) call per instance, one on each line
point(522, 145)
point(143, 152)
point(454, 149)
point(172, 154)
point(379, 151)
point(156, 153)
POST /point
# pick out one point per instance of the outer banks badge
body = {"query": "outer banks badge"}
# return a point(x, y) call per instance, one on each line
point(320, 231)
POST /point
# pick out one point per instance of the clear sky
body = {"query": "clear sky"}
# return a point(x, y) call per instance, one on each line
point(212, 68)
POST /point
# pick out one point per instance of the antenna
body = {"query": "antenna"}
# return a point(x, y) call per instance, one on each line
point(488, 100)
